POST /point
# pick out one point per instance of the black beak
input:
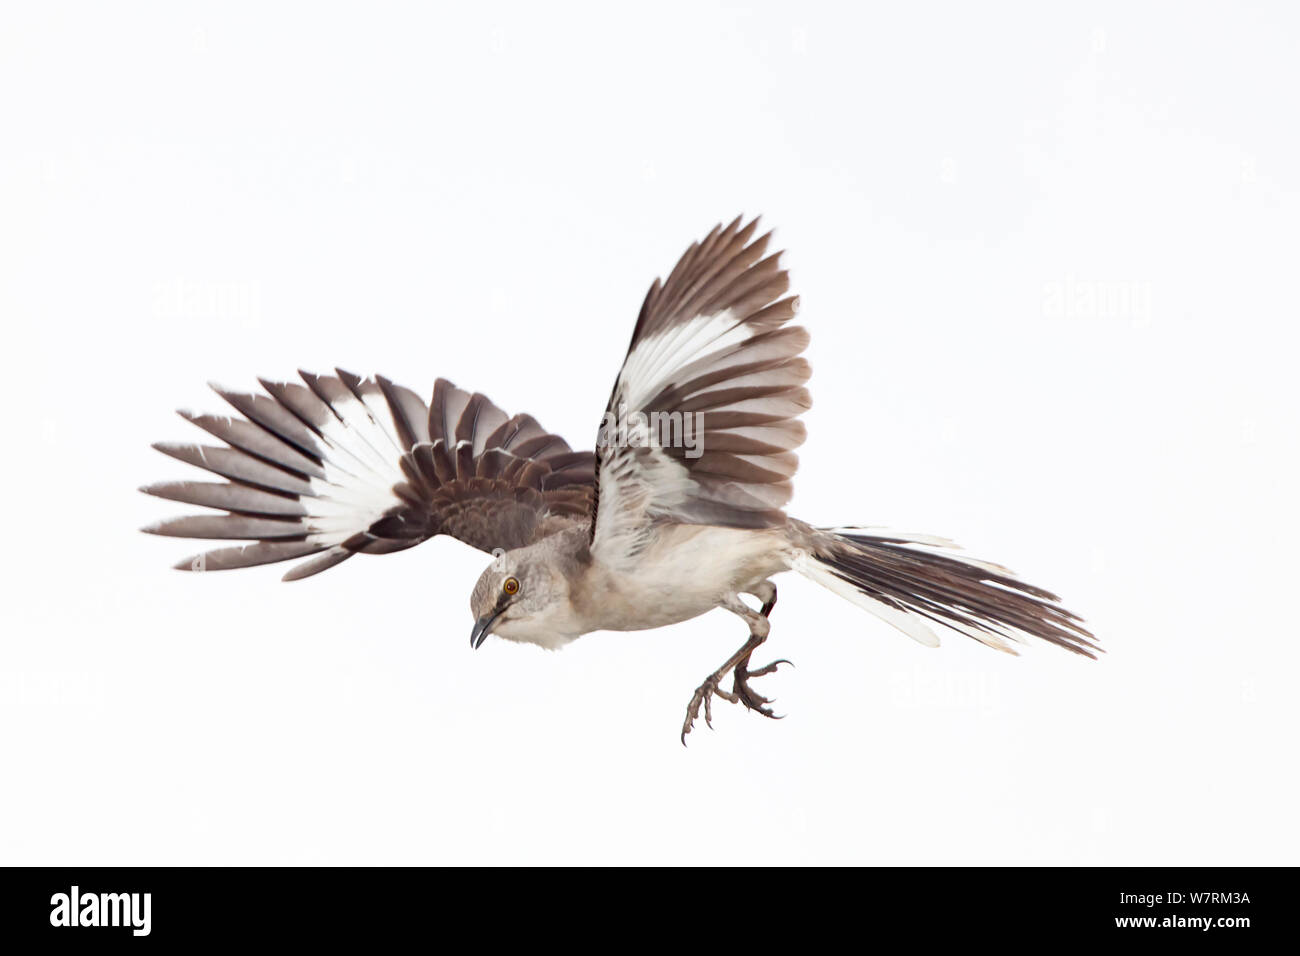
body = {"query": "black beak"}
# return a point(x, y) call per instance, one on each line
point(482, 628)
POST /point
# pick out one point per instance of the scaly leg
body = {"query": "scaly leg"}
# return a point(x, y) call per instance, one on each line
point(765, 592)
point(738, 664)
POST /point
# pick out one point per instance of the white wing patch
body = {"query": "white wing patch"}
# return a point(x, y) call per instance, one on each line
point(359, 449)
point(712, 387)
point(655, 361)
point(310, 504)
point(641, 482)
point(341, 465)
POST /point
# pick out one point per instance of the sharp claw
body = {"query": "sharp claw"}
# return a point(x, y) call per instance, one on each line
point(750, 697)
point(692, 711)
point(740, 692)
point(768, 669)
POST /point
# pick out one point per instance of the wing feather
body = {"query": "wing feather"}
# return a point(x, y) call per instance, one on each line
point(702, 422)
point(340, 465)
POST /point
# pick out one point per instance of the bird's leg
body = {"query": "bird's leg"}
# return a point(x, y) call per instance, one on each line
point(765, 592)
point(738, 664)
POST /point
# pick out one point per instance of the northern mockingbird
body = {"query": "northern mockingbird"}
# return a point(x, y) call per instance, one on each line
point(678, 511)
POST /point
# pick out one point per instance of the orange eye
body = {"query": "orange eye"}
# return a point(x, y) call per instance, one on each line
point(511, 586)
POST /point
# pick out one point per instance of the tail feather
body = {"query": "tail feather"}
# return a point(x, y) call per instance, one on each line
point(909, 580)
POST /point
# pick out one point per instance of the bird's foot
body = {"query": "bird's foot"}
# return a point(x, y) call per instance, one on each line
point(747, 695)
point(740, 693)
point(703, 697)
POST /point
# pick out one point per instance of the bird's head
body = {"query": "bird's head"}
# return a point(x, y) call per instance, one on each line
point(521, 596)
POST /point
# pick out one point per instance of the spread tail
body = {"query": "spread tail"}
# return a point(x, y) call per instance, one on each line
point(909, 580)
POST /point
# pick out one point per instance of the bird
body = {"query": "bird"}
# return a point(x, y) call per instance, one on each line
point(678, 509)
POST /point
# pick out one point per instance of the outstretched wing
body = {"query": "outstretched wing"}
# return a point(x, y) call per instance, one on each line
point(342, 465)
point(703, 420)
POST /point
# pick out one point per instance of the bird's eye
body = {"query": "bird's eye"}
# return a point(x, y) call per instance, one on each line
point(510, 586)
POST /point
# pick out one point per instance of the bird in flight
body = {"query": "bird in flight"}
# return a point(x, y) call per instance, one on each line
point(679, 510)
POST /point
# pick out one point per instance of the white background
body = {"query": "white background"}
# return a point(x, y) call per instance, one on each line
point(1048, 261)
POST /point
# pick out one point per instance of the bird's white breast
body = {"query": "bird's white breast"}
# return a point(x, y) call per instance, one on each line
point(685, 572)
